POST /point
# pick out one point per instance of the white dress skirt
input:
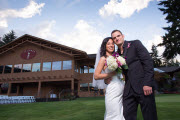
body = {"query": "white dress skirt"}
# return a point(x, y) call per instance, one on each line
point(114, 99)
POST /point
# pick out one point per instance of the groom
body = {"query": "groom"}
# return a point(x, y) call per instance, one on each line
point(139, 78)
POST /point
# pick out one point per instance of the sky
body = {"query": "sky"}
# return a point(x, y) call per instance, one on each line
point(83, 24)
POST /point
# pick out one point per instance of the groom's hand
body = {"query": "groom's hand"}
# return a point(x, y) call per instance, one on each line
point(108, 80)
point(147, 90)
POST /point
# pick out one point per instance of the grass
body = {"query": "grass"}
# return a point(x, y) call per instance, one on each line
point(168, 107)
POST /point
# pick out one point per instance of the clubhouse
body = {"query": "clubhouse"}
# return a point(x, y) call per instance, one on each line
point(31, 66)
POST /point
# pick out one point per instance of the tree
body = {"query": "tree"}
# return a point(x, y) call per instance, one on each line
point(7, 38)
point(155, 57)
point(177, 63)
point(171, 39)
point(170, 62)
point(161, 79)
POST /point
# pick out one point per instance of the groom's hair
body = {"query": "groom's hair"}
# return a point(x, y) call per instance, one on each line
point(115, 31)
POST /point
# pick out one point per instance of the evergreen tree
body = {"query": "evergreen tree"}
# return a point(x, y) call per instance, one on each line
point(155, 57)
point(170, 63)
point(7, 38)
point(171, 39)
point(1, 42)
point(177, 63)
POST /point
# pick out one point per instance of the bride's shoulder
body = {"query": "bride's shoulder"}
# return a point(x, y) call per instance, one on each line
point(102, 59)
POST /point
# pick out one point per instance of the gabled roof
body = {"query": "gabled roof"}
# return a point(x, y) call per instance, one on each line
point(92, 56)
point(77, 54)
point(158, 70)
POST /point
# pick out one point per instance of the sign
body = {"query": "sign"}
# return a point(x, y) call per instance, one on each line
point(28, 54)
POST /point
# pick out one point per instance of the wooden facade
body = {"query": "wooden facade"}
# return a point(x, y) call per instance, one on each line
point(37, 67)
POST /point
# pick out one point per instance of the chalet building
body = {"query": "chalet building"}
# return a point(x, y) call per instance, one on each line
point(31, 66)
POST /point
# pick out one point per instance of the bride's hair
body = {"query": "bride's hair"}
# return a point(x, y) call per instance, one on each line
point(103, 46)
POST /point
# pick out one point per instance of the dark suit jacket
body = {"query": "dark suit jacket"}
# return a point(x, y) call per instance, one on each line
point(140, 67)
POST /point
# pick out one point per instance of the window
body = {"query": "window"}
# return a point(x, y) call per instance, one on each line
point(1, 69)
point(13, 88)
point(91, 69)
point(56, 65)
point(76, 68)
point(47, 66)
point(67, 65)
point(4, 87)
point(8, 69)
point(85, 69)
point(26, 68)
point(81, 69)
point(4, 91)
point(84, 86)
point(17, 68)
point(36, 67)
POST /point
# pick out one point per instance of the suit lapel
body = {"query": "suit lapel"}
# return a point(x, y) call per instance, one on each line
point(125, 48)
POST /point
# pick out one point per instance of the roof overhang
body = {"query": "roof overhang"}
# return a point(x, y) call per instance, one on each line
point(77, 54)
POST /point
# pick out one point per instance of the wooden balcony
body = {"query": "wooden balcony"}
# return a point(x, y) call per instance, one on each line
point(61, 75)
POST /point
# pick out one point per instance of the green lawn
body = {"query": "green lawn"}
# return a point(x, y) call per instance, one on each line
point(168, 107)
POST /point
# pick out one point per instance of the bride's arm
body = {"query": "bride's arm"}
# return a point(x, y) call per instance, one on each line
point(98, 75)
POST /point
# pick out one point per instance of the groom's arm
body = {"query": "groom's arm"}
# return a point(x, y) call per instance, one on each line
point(147, 64)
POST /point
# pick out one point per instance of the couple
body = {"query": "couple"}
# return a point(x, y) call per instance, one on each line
point(122, 97)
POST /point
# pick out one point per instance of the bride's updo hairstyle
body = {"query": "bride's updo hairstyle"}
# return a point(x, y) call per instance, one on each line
point(103, 46)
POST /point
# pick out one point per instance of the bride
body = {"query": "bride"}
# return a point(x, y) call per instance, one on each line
point(114, 87)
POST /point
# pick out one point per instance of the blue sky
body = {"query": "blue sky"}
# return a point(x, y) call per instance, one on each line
point(83, 24)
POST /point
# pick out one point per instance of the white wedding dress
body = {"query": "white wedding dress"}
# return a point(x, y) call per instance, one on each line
point(113, 99)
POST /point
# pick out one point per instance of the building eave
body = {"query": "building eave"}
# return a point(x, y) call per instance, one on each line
point(77, 54)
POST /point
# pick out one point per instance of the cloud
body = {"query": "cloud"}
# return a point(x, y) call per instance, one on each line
point(44, 30)
point(3, 23)
point(3, 31)
point(178, 58)
point(84, 37)
point(73, 2)
point(124, 8)
point(66, 3)
point(156, 40)
point(27, 12)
